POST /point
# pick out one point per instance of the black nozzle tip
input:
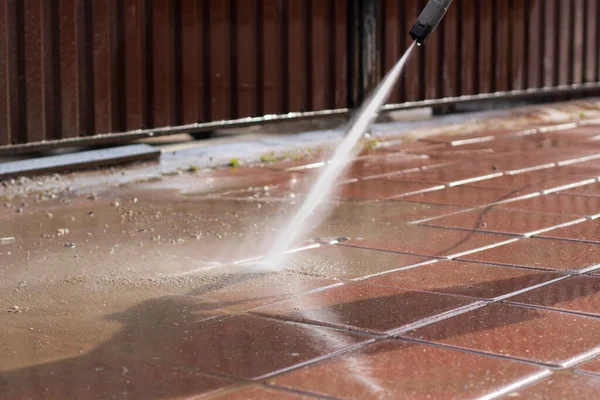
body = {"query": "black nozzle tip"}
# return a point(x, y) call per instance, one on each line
point(420, 32)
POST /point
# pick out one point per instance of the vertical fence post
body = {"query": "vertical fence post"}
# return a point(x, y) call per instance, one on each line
point(364, 48)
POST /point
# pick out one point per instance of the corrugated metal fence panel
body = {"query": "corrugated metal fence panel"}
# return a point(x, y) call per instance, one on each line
point(72, 68)
point(488, 46)
point(80, 67)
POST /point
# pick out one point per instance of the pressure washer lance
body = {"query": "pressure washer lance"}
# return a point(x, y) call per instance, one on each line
point(429, 19)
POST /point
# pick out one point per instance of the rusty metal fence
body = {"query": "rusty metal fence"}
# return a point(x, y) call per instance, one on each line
point(96, 71)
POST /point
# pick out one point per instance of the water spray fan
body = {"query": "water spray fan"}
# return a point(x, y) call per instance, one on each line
point(428, 20)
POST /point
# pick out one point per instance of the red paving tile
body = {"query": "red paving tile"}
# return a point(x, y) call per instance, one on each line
point(536, 181)
point(396, 211)
point(462, 196)
point(541, 253)
point(556, 203)
point(368, 308)
point(349, 263)
point(560, 386)
point(464, 279)
point(262, 393)
point(578, 294)
point(587, 231)
point(448, 176)
point(370, 166)
point(377, 189)
point(248, 347)
point(510, 222)
point(547, 337)
point(530, 160)
point(428, 241)
point(400, 370)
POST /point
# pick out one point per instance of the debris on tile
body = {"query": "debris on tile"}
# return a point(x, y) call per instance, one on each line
point(7, 240)
point(14, 309)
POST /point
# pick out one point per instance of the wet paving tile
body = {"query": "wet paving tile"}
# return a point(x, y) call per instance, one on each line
point(106, 375)
point(502, 146)
point(397, 370)
point(368, 308)
point(530, 160)
point(377, 189)
point(300, 164)
point(587, 231)
point(556, 203)
point(464, 279)
point(248, 347)
point(579, 294)
point(462, 196)
point(511, 222)
point(256, 392)
point(447, 176)
point(547, 337)
point(371, 166)
point(348, 263)
point(560, 386)
point(219, 180)
point(247, 289)
point(522, 184)
point(512, 162)
point(429, 241)
point(543, 254)
point(376, 219)
point(462, 138)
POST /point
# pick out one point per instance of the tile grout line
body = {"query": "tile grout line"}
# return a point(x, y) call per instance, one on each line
point(479, 352)
point(551, 309)
point(439, 317)
point(383, 273)
point(530, 288)
point(588, 355)
point(299, 392)
point(484, 248)
point(530, 380)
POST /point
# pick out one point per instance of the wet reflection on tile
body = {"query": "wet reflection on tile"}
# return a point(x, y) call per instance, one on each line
point(542, 254)
point(547, 337)
point(559, 387)
point(465, 279)
point(245, 346)
point(358, 306)
point(578, 293)
point(512, 222)
point(397, 370)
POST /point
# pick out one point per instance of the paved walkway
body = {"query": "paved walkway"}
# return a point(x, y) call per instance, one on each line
point(452, 267)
